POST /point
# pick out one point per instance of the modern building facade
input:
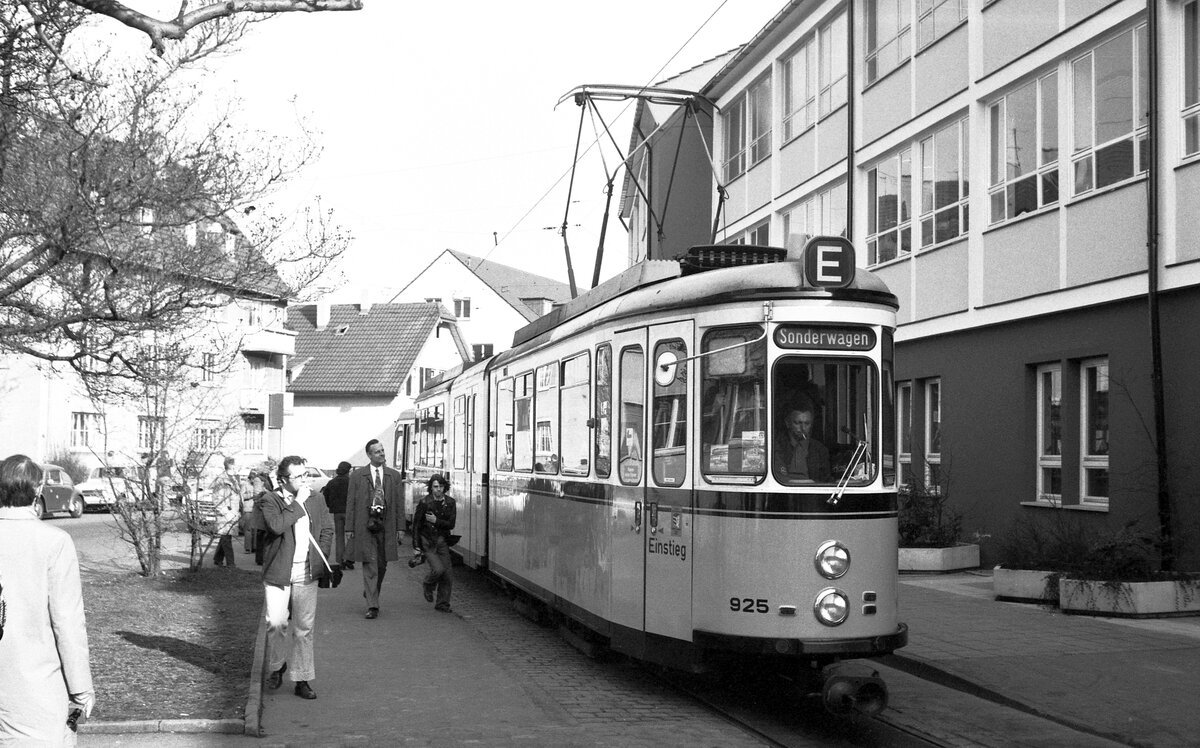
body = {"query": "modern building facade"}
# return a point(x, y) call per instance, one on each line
point(1002, 165)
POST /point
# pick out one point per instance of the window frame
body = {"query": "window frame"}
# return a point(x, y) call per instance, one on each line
point(1048, 460)
point(677, 428)
point(874, 45)
point(932, 469)
point(85, 426)
point(798, 118)
point(1004, 186)
point(639, 373)
point(928, 209)
point(1190, 113)
point(832, 71)
point(1084, 158)
point(1089, 460)
point(904, 214)
point(904, 402)
point(462, 307)
point(928, 10)
point(565, 390)
point(819, 209)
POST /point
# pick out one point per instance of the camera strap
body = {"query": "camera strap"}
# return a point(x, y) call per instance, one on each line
point(313, 540)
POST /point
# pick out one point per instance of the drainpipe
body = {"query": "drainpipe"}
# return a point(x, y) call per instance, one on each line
point(850, 121)
point(1156, 365)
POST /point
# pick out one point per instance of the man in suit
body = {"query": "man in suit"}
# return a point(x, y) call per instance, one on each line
point(375, 514)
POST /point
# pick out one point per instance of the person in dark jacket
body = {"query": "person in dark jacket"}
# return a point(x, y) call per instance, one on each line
point(335, 500)
point(296, 545)
point(433, 519)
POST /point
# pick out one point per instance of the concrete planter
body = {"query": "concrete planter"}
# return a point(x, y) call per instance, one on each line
point(954, 558)
point(1130, 599)
point(1024, 585)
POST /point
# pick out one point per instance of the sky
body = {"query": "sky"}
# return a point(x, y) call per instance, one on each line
point(439, 127)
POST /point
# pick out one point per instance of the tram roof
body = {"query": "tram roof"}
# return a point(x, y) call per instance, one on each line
point(783, 279)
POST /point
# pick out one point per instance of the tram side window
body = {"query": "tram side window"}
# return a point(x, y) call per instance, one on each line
point(504, 422)
point(469, 441)
point(432, 432)
point(633, 403)
point(545, 453)
point(734, 402)
point(523, 422)
point(573, 415)
point(603, 411)
point(827, 415)
point(670, 415)
point(458, 450)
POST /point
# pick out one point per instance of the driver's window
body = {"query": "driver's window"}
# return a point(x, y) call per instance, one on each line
point(733, 404)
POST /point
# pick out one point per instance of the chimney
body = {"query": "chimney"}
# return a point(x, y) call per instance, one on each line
point(365, 307)
point(322, 315)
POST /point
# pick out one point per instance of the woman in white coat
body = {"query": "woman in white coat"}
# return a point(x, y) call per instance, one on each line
point(44, 668)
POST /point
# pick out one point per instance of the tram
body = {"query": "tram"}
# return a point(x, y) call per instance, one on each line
point(692, 462)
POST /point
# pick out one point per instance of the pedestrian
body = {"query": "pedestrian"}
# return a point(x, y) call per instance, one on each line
point(335, 500)
point(296, 545)
point(375, 510)
point(226, 492)
point(251, 521)
point(433, 519)
point(45, 674)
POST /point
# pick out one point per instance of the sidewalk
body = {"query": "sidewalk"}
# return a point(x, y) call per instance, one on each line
point(1135, 682)
point(990, 674)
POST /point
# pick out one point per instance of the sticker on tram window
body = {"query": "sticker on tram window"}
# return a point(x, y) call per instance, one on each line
point(823, 337)
point(749, 605)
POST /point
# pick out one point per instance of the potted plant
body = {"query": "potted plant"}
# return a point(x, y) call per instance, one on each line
point(1092, 571)
point(931, 530)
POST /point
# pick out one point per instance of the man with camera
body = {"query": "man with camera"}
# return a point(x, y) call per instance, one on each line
point(375, 514)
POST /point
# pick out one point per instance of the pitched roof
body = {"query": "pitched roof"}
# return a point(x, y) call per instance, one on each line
point(368, 354)
point(513, 284)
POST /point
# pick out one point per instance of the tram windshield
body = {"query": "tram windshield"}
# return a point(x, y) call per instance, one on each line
point(825, 414)
point(733, 413)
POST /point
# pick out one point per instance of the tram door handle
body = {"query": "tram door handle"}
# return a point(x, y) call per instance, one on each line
point(654, 528)
point(637, 517)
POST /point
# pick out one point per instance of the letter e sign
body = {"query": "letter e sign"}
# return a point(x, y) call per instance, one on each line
point(829, 262)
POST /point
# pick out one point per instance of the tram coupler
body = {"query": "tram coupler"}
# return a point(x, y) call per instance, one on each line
point(852, 686)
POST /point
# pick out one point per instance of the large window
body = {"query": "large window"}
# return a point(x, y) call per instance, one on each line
point(747, 125)
point(207, 436)
point(826, 412)
point(904, 432)
point(1191, 78)
point(822, 214)
point(252, 437)
point(888, 29)
point(85, 430)
point(574, 410)
point(504, 424)
point(523, 422)
point(1093, 448)
point(733, 417)
point(462, 308)
point(1110, 112)
point(800, 90)
point(458, 448)
point(1049, 441)
point(936, 18)
point(150, 432)
point(603, 422)
point(889, 221)
point(832, 75)
point(944, 184)
point(630, 456)
point(1023, 145)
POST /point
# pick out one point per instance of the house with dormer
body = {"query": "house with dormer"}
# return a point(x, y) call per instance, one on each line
point(357, 366)
point(490, 301)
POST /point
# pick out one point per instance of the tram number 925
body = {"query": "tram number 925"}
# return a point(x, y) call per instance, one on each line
point(749, 605)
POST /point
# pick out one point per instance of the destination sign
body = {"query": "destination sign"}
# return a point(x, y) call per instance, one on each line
point(810, 337)
point(829, 262)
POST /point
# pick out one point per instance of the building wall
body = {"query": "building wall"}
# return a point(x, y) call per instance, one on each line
point(493, 320)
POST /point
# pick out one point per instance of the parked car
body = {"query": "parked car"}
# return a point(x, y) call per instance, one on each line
point(317, 477)
point(105, 486)
point(57, 494)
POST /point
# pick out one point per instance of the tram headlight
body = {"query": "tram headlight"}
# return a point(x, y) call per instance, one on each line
point(832, 559)
point(831, 606)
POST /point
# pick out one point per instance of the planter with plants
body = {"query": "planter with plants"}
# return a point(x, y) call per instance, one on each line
point(1087, 571)
point(931, 532)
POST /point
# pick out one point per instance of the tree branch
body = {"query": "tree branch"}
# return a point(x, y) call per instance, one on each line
point(160, 31)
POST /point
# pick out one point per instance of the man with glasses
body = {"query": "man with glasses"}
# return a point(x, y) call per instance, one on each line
point(297, 542)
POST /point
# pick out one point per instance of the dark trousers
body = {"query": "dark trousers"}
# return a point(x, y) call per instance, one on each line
point(339, 538)
point(374, 571)
point(224, 551)
point(439, 579)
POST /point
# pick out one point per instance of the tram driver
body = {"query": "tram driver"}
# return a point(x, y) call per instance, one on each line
point(796, 455)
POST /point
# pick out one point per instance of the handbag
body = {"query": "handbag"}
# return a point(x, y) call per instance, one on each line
point(452, 540)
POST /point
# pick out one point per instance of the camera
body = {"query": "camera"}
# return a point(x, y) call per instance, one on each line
point(375, 518)
point(417, 559)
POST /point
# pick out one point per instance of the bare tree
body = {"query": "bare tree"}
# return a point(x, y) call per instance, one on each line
point(162, 30)
point(119, 194)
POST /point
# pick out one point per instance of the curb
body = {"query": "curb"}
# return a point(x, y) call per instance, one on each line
point(254, 703)
point(145, 726)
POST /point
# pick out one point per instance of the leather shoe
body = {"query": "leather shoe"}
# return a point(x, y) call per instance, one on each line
point(428, 594)
point(372, 612)
point(275, 679)
point(347, 565)
point(304, 691)
point(442, 607)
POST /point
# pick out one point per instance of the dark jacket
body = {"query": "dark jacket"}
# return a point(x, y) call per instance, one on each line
point(279, 541)
point(817, 461)
point(358, 506)
point(425, 535)
point(335, 493)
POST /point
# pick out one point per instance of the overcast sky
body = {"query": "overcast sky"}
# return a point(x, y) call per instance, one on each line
point(438, 120)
